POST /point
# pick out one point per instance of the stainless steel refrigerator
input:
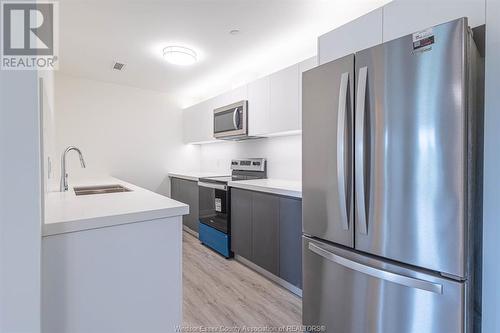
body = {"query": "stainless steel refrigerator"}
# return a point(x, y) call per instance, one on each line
point(392, 154)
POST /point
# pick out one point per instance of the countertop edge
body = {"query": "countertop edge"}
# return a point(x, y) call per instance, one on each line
point(195, 176)
point(52, 229)
point(181, 176)
point(267, 189)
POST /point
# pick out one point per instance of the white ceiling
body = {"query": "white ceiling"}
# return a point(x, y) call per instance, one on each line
point(274, 34)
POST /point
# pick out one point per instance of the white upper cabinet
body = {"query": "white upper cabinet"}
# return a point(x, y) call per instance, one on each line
point(230, 97)
point(403, 17)
point(274, 106)
point(239, 94)
point(188, 127)
point(222, 100)
point(197, 123)
point(258, 107)
point(354, 36)
point(284, 100)
point(273, 103)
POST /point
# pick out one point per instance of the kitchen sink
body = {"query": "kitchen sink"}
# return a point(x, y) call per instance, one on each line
point(100, 189)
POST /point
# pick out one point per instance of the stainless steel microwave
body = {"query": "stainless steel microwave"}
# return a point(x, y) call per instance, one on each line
point(230, 122)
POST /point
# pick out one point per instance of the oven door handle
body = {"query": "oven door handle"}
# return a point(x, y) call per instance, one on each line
point(212, 185)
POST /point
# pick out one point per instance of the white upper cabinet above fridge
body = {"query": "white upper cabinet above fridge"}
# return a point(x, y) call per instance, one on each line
point(357, 35)
point(403, 17)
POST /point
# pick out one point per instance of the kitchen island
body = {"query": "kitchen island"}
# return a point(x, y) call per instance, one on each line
point(111, 262)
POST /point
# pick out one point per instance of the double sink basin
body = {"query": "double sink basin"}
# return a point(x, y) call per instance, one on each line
point(100, 189)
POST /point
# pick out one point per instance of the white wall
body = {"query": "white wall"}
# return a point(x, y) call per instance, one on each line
point(491, 220)
point(126, 132)
point(20, 202)
point(284, 155)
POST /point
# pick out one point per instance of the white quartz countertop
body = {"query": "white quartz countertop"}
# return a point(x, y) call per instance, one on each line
point(66, 212)
point(195, 175)
point(288, 188)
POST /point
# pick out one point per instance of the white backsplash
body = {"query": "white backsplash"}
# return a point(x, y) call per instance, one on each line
point(283, 154)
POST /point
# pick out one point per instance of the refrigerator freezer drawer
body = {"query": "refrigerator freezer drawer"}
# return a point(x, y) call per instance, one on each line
point(351, 293)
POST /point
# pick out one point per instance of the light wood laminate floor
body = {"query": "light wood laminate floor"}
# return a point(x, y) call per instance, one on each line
point(220, 292)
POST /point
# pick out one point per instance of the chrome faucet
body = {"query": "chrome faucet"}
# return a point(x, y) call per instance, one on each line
point(64, 174)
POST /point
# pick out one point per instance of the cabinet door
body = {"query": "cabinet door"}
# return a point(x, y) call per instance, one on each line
point(186, 191)
point(230, 97)
point(239, 94)
point(187, 125)
point(284, 100)
point(265, 242)
point(403, 17)
point(197, 123)
point(258, 107)
point(241, 223)
point(354, 36)
point(179, 193)
point(191, 197)
point(222, 100)
point(174, 189)
point(290, 241)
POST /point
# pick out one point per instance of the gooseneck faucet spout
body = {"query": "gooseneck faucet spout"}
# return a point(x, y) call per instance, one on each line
point(64, 174)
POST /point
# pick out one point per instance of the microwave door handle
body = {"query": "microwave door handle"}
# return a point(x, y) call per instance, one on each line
point(359, 150)
point(235, 118)
point(341, 129)
point(378, 273)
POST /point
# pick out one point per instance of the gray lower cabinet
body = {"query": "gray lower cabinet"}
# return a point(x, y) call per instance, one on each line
point(241, 223)
point(265, 223)
point(290, 240)
point(266, 229)
point(186, 191)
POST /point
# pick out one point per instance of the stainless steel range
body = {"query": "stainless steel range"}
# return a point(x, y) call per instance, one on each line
point(214, 207)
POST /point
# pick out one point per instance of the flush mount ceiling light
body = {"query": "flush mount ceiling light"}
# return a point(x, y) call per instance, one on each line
point(179, 55)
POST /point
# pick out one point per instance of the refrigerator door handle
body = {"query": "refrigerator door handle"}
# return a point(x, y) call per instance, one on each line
point(376, 272)
point(359, 150)
point(341, 129)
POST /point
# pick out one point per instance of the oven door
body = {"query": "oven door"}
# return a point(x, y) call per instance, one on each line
point(213, 208)
point(231, 120)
